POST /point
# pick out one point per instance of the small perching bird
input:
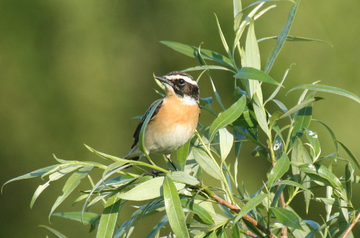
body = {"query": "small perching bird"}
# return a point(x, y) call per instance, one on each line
point(173, 121)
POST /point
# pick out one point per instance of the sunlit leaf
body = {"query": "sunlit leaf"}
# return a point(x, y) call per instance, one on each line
point(33, 174)
point(255, 74)
point(182, 177)
point(260, 114)
point(203, 214)
point(192, 52)
point(173, 209)
point(72, 182)
point(301, 106)
point(226, 140)
point(328, 89)
point(228, 116)
point(147, 190)
point(206, 163)
point(182, 153)
point(109, 217)
point(205, 67)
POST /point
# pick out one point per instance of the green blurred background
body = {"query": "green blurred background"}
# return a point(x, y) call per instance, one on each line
point(75, 72)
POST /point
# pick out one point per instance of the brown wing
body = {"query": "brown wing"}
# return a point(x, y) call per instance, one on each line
point(138, 128)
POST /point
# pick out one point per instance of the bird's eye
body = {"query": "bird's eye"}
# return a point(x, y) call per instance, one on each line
point(181, 81)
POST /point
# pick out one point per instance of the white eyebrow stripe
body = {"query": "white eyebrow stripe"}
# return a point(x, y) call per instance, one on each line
point(177, 76)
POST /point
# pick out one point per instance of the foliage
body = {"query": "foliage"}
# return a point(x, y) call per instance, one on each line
point(195, 209)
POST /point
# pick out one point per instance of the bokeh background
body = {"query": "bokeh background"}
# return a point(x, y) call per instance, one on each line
point(74, 72)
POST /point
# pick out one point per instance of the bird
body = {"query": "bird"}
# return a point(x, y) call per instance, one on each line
point(174, 120)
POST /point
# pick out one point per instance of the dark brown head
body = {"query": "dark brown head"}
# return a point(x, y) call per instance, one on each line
point(183, 85)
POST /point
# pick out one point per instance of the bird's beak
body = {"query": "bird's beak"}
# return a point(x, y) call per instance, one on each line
point(164, 80)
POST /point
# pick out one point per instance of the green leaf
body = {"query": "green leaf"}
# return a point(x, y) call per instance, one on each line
point(182, 154)
point(228, 116)
point(332, 135)
point(206, 163)
point(300, 155)
point(147, 190)
point(226, 140)
point(157, 227)
point(280, 168)
point(72, 182)
point(260, 114)
point(222, 37)
point(300, 106)
point(207, 67)
point(328, 89)
point(173, 209)
point(286, 217)
point(250, 205)
point(103, 155)
point(109, 217)
point(350, 154)
point(349, 173)
point(192, 51)
point(203, 214)
point(255, 74)
point(281, 38)
point(88, 218)
point(33, 174)
point(322, 174)
point(313, 139)
point(182, 177)
point(55, 232)
point(292, 183)
point(56, 173)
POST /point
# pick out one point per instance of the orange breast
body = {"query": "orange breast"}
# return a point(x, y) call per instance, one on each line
point(172, 127)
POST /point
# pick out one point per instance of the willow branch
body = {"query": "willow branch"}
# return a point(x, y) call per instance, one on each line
point(347, 232)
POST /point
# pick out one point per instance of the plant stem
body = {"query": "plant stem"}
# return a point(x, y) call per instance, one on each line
point(347, 232)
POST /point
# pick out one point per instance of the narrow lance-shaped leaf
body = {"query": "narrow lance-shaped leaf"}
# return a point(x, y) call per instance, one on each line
point(55, 175)
point(191, 51)
point(281, 38)
point(109, 217)
point(226, 140)
point(300, 106)
point(228, 116)
point(252, 73)
point(250, 205)
point(58, 234)
point(286, 217)
point(206, 163)
point(173, 209)
point(280, 168)
point(33, 174)
point(88, 218)
point(260, 114)
point(322, 174)
point(350, 154)
point(147, 190)
point(328, 89)
point(72, 182)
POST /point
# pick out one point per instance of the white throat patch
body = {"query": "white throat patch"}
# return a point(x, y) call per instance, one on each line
point(187, 100)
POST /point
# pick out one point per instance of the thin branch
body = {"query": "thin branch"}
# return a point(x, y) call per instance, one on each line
point(346, 233)
point(247, 217)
